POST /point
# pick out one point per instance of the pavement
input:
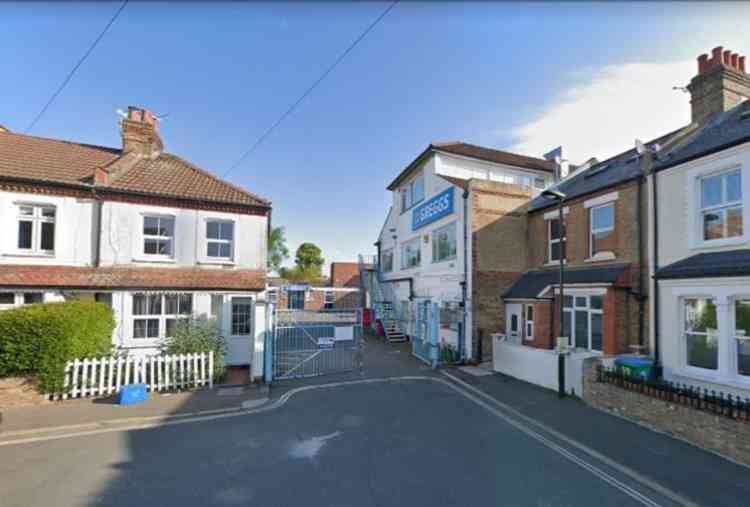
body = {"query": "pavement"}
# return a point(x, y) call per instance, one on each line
point(394, 433)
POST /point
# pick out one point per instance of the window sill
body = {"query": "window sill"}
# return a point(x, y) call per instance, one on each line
point(554, 263)
point(705, 376)
point(161, 260)
point(40, 255)
point(739, 240)
point(601, 256)
point(441, 261)
point(218, 262)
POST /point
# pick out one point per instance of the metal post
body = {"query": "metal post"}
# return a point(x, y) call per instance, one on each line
point(563, 249)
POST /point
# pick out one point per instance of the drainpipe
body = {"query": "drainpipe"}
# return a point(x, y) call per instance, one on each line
point(655, 264)
point(465, 284)
point(97, 247)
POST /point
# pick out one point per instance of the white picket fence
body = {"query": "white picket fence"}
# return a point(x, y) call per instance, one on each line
point(104, 376)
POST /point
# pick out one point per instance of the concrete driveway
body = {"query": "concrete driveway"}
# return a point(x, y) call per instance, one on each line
point(398, 442)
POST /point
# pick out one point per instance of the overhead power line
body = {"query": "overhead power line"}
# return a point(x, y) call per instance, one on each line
point(77, 65)
point(312, 87)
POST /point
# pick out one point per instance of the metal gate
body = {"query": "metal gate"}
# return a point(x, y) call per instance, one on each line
point(316, 342)
point(426, 333)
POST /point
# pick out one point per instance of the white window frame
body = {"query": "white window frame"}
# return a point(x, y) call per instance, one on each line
point(550, 241)
point(219, 241)
point(145, 236)
point(593, 231)
point(528, 322)
point(682, 333)
point(448, 227)
point(387, 253)
point(571, 311)
point(722, 207)
point(407, 244)
point(36, 218)
point(407, 192)
point(162, 317)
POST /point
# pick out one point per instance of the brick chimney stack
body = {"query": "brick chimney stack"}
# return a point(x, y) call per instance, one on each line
point(721, 84)
point(140, 133)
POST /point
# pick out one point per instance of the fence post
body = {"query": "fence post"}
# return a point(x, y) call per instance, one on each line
point(211, 369)
point(268, 343)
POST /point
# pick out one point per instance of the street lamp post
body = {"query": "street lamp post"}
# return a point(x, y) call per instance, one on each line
point(560, 198)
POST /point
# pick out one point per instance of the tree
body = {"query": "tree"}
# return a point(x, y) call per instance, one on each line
point(309, 261)
point(277, 249)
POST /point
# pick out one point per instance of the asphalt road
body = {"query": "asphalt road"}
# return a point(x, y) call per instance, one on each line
point(411, 443)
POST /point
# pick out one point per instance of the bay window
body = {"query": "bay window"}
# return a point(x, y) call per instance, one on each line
point(155, 315)
point(555, 240)
point(721, 205)
point(701, 334)
point(410, 254)
point(219, 239)
point(742, 335)
point(158, 235)
point(36, 229)
point(602, 228)
point(444, 243)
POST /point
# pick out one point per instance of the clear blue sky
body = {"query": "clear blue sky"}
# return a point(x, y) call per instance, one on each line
point(224, 72)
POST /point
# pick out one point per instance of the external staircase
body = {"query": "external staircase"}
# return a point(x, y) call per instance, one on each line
point(384, 310)
point(387, 316)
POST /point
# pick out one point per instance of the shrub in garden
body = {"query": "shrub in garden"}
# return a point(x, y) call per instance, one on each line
point(37, 340)
point(198, 334)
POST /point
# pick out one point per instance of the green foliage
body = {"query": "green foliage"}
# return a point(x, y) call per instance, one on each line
point(37, 340)
point(448, 354)
point(277, 249)
point(309, 261)
point(198, 334)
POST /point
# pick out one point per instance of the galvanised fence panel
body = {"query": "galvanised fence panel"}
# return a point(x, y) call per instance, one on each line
point(308, 343)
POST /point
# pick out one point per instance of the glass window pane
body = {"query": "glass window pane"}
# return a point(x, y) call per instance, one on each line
point(225, 250)
point(26, 211)
point(514, 323)
point(212, 230)
point(139, 305)
point(581, 302)
point(170, 325)
point(48, 212)
point(713, 225)
point(212, 249)
point(154, 305)
point(139, 328)
point(165, 246)
point(700, 315)
point(743, 357)
point(7, 298)
point(151, 246)
point(567, 301)
point(603, 217)
point(554, 254)
point(30, 298)
point(596, 332)
point(703, 350)
point(227, 231)
point(603, 242)
point(153, 328)
point(24, 234)
point(48, 236)
point(734, 186)
point(554, 229)
point(170, 304)
point(582, 329)
point(596, 302)
point(150, 226)
point(186, 304)
point(166, 226)
point(734, 222)
point(711, 191)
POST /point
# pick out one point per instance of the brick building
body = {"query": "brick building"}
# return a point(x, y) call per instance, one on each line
point(342, 290)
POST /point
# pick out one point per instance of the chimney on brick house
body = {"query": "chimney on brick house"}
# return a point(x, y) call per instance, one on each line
point(140, 133)
point(721, 83)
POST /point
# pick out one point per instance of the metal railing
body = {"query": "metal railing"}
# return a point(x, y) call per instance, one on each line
point(726, 405)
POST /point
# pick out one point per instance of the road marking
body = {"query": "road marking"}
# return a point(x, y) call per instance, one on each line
point(632, 474)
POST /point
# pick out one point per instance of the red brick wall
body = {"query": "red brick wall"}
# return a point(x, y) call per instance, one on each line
point(542, 322)
point(345, 274)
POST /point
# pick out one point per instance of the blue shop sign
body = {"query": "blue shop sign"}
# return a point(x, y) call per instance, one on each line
point(436, 208)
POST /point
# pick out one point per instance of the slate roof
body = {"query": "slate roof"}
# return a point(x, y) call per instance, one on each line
point(130, 277)
point(480, 153)
point(704, 265)
point(41, 159)
point(720, 132)
point(534, 282)
point(619, 169)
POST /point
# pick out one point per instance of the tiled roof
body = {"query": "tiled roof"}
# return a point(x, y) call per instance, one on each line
point(619, 169)
point(53, 161)
point(720, 132)
point(532, 283)
point(713, 264)
point(41, 159)
point(172, 176)
point(479, 153)
point(130, 277)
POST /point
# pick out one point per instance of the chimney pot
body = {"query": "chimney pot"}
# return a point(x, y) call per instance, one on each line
point(733, 60)
point(716, 55)
point(741, 64)
point(702, 63)
point(726, 57)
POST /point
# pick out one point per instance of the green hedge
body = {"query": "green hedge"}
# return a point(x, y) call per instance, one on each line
point(38, 340)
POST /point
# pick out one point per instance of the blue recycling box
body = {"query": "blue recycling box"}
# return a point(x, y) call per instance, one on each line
point(636, 366)
point(133, 393)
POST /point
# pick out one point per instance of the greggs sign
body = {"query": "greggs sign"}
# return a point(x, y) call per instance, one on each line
point(436, 208)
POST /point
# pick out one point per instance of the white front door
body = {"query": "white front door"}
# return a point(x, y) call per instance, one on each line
point(513, 326)
point(240, 339)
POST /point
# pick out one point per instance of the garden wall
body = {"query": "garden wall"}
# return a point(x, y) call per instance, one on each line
point(714, 432)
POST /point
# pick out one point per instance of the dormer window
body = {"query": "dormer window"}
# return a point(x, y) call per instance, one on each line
point(158, 235)
point(36, 229)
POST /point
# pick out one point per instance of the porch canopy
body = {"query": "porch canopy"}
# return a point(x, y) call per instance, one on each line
point(534, 284)
point(708, 265)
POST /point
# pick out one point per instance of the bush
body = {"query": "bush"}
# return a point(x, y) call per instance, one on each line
point(38, 340)
point(198, 334)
